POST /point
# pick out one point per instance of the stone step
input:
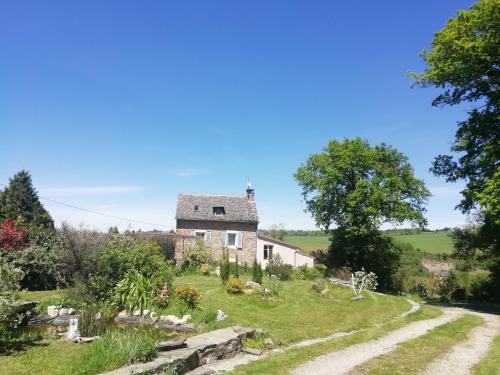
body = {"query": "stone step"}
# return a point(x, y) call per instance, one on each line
point(200, 350)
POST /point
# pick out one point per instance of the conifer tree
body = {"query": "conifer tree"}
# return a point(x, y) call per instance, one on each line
point(19, 201)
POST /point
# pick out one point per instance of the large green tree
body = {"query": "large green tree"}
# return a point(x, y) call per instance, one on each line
point(357, 187)
point(19, 200)
point(464, 61)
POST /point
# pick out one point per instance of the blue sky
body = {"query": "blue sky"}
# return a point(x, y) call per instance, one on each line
point(118, 106)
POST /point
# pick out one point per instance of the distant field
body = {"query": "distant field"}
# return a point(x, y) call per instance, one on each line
point(429, 242)
point(309, 243)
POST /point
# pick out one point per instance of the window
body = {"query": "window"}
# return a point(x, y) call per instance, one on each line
point(218, 211)
point(195, 208)
point(200, 236)
point(231, 240)
point(268, 252)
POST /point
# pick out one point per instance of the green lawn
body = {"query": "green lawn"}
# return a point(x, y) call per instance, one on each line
point(298, 314)
point(44, 357)
point(412, 357)
point(429, 242)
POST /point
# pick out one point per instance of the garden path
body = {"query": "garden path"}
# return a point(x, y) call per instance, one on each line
point(342, 361)
point(242, 359)
point(462, 357)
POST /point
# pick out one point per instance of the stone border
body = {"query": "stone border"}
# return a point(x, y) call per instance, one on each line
point(200, 350)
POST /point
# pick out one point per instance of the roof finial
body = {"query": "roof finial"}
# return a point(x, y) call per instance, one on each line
point(250, 191)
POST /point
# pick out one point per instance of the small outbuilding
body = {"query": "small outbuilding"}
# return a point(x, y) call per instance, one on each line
point(268, 247)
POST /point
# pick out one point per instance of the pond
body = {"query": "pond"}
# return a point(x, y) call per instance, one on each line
point(57, 330)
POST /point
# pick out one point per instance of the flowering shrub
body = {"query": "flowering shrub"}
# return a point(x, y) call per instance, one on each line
point(274, 287)
point(234, 286)
point(12, 237)
point(205, 269)
point(362, 280)
point(196, 256)
point(190, 295)
point(445, 285)
point(276, 267)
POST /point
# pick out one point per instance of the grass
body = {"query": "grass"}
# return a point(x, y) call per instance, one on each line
point(282, 363)
point(299, 313)
point(115, 349)
point(415, 355)
point(45, 297)
point(428, 242)
point(489, 365)
point(38, 358)
point(309, 243)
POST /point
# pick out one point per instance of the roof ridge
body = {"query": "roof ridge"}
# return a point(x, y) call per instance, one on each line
point(215, 195)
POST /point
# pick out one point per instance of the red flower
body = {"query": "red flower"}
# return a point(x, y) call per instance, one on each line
point(12, 237)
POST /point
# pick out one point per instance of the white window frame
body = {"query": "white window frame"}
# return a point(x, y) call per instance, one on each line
point(238, 245)
point(268, 247)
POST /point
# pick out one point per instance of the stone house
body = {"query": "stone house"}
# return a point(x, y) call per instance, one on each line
point(228, 222)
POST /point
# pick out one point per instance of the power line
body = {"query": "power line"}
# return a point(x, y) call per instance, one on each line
point(98, 213)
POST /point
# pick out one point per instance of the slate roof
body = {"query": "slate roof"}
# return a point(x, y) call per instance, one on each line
point(237, 208)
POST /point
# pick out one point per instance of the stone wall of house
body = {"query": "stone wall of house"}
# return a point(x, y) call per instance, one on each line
point(186, 230)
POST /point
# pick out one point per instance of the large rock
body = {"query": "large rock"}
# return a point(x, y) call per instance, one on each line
point(52, 311)
point(63, 311)
point(172, 344)
point(189, 328)
point(71, 311)
point(252, 285)
point(172, 319)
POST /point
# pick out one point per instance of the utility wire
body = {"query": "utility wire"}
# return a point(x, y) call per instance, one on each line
point(98, 213)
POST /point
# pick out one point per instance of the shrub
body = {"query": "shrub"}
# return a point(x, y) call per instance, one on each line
point(124, 254)
point(196, 256)
point(480, 286)
point(306, 273)
point(362, 280)
point(342, 273)
point(12, 237)
point(446, 285)
point(321, 268)
point(189, 295)
point(324, 288)
point(133, 292)
point(257, 272)
point(10, 278)
point(236, 271)
point(41, 265)
point(225, 268)
point(276, 267)
point(274, 287)
point(205, 269)
point(234, 286)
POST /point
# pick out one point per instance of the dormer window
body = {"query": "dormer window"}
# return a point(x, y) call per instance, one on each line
point(195, 208)
point(219, 211)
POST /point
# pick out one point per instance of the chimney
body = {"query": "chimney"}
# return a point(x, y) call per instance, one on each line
point(250, 192)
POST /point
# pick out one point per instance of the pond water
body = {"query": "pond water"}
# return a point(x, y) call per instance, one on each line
point(55, 331)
